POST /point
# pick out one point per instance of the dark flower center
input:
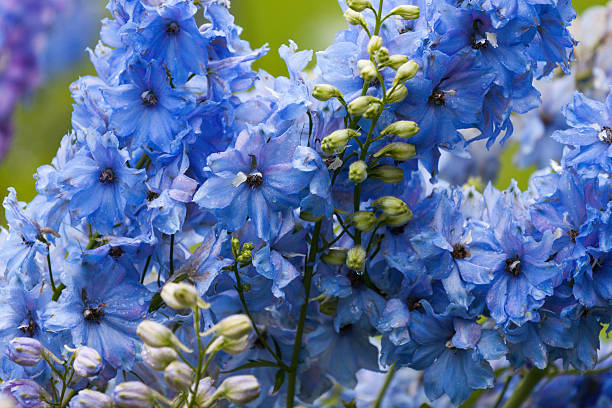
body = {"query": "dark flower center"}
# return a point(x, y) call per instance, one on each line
point(29, 328)
point(572, 235)
point(397, 230)
point(115, 252)
point(93, 314)
point(459, 252)
point(254, 179)
point(152, 195)
point(605, 135)
point(107, 176)
point(354, 278)
point(479, 44)
point(173, 28)
point(437, 98)
point(413, 304)
point(149, 98)
point(595, 263)
point(513, 266)
point(346, 329)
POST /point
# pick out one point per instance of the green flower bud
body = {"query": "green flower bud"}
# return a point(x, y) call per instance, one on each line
point(324, 92)
point(232, 327)
point(337, 141)
point(397, 151)
point(178, 375)
point(397, 60)
point(355, 258)
point(363, 220)
point(245, 256)
point(158, 358)
point(230, 346)
point(335, 257)
point(390, 205)
point(205, 393)
point(373, 111)
point(367, 69)
point(406, 12)
point(387, 174)
point(157, 335)
point(397, 220)
point(407, 71)
point(362, 103)
point(248, 246)
point(182, 296)
point(402, 128)
point(382, 55)
point(374, 44)
point(239, 389)
point(398, 94)
point(354, 18)
point(358, 171)
point(235, 246)
point(358, 5)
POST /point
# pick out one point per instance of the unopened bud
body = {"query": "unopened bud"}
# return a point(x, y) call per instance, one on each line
point(87, 362)
point(324, 92)
point(362, 103)
point(91, 399)
point(397, 151)
point(27, 392)
point(355, 258)
point(391, 205)
point(363, 220)
point(206, 391)
point(373, 111)
point(134, 394)
point(382, 55)
point(335, 257)
point(248, 246)
point(245, 256)
point(178, 375)
point(337, 141)
point(158, 358)
point(387, 174)
point(232, 327)
point(406, 12)
point(7, 401)
point(358, 5)
point(367, 69)
point(239, 389)
point(25, 351)
point(407, 71)
point(235, 245)
point(354, 17)
point(397, 60)
point(358, 172)
point(374, 44)
point(397, 94)
point(397, 220)
point(182, 296)
point(402, 128)
point(230, 346)
point(157, 335)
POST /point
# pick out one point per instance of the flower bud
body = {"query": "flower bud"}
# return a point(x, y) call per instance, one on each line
point(337, 141)
point(406, 12)
point(91, 399)
point(232, 327)
point(324, 92)
point(367, 69)
point(6, 401)
point(387, 174)
point(87, 362)
point(374, 44)
point(354, 17)
point(358, 5)
point(206, 391)
point(363, 220)
point(396, 220)
point(335, 257)
point(355, 258)
point(182, 296)
point(158, 358)
point(239, 389)
point(397, 151)
point(244, 256)
point(230, 346)
point(27, 393)
point(407, 71)
point(390, 205)
point(382, 55)
point(178, 375)
point(397, 94)
point(25, 351)
point(358, 172)
point(235, 245)
point(134, 394)
point(397, 60)
point(402, 128)
point(373, 111)
point(157, 335)
point(361, 104)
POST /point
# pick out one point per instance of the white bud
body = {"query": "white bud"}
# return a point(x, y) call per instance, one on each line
point(397, 60)
point(406, 12)
point(354, 18)
point(157, 335)
point(407, 71)
point(358, 171)
point(182, 296)
point(358, 5)
point(178, 375)
point(240, 389)
point(367, 69)
point(324, 92)
point(337, 141)
point(402, 128)
point(375, 43)
point(362, 103)
point(355, 258)
point(232, 327)
point(158, 358)
point(398, 94)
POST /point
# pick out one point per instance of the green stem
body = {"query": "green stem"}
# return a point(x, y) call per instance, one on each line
point(500, 398)
point(146, 268)
point(297, 346)
point(53, 287)
point(386, 384)
point(198, 373)
point(525, 388)
point(171, 255)
point(378, 18)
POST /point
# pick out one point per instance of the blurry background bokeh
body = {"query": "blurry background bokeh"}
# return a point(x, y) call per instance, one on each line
point(45, 117)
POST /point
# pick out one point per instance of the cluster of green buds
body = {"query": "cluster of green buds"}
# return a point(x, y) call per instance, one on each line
point(164, 351)
point(242, 255)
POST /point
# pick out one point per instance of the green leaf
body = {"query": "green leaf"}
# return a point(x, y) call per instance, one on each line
point(253, 364)
point(156, 302)
point(279, 380)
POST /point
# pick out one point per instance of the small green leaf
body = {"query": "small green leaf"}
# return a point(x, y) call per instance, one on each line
point(156, 302)
point(254, 364)
point(280, 379)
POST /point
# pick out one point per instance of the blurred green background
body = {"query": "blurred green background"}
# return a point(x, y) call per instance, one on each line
point(45, 117)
